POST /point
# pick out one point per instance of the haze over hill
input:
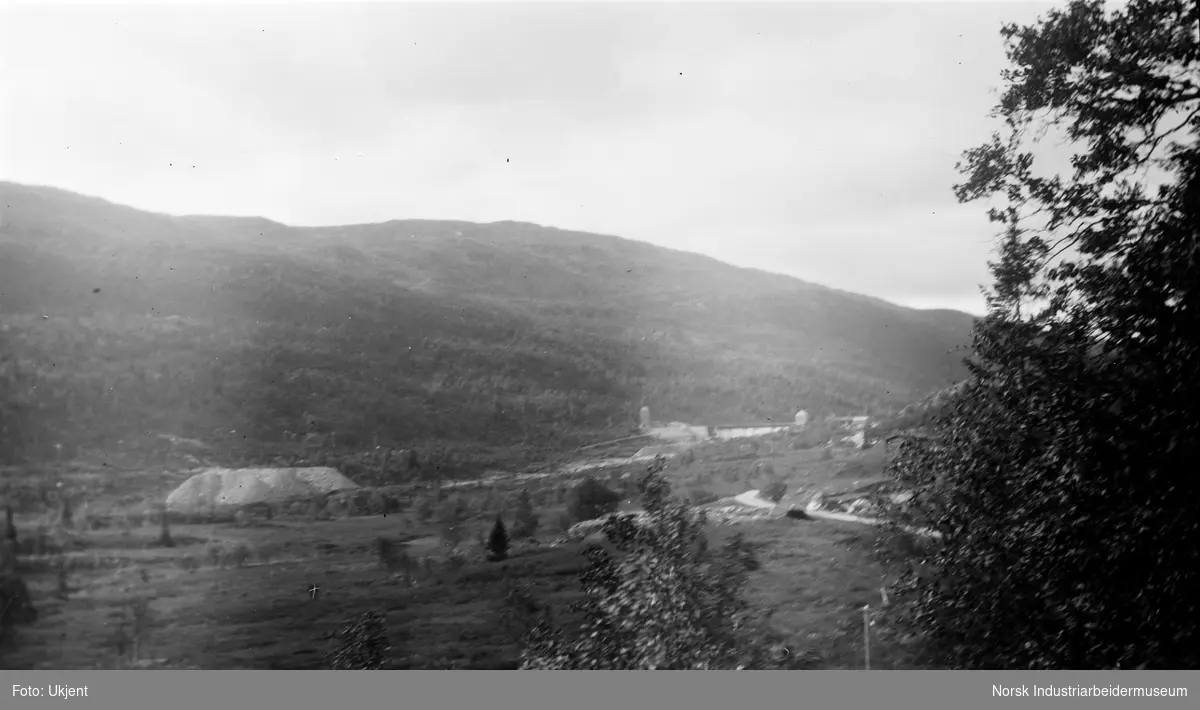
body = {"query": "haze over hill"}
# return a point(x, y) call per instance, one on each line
point(496, 342)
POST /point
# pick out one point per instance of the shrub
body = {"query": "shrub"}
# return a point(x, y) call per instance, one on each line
point(591, 499)
point(812, 436)
point(378, 503)
point(452, 520)
point(739, 552)
point(764, 468)
point(385, 552)
point(136, 620)
point(239, 555)
point(316, 506)
point(10, 530)
point(423, 509)
point(164, 535)
point(774, 491)
point(525, 521)
point(67, 513)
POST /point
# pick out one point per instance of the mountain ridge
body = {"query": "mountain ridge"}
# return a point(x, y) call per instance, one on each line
point(502, 340)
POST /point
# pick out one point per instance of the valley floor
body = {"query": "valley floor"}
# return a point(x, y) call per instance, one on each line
point(263, 613)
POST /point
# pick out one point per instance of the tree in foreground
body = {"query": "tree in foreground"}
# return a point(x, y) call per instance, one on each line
point(362, 644)
point(1063, 477)
point(664, 601)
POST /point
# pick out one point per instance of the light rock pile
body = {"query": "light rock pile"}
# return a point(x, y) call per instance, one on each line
point(224, 487)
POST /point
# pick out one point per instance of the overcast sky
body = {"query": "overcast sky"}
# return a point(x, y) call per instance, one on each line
point(817, 140)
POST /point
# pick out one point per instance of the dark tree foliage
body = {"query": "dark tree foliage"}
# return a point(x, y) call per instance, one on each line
point(498, 541)
point(774, 491)
point(1063, 475)
point(592, 499)
point(663, 602)
point(362, 644)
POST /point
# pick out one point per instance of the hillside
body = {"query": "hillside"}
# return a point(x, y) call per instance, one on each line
point(480, 344)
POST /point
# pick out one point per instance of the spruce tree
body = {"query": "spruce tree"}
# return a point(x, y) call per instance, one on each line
point(498, 541)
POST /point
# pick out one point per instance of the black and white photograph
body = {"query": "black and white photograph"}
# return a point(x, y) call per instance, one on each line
point(600, 336)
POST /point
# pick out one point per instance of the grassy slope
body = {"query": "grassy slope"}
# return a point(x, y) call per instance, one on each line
point(815, 578)
point(480, 344)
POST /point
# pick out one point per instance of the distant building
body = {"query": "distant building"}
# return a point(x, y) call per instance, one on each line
point(739, 431)
point(855, 428)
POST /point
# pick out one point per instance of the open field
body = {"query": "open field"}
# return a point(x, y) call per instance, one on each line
point(208, 611)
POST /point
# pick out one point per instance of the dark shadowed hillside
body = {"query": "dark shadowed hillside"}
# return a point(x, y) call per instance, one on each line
point(483, 344)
